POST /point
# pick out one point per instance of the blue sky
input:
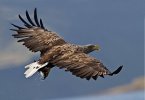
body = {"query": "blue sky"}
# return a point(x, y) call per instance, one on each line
point(117, 26)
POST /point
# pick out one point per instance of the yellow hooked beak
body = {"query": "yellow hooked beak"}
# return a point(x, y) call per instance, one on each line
point(97, 48)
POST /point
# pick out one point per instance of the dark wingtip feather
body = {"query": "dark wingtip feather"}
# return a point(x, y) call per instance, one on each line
point(116, 71)
point(17, 26)
point(35, 9)
point(88, 78)
point(25, 23)
point(15, 35)
point(102, 76)
point(13, 29)
point(29, 19)
point(41, 24)
point(36, 18)
point(95, 77)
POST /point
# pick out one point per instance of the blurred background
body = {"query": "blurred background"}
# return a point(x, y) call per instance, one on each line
point(116, 25)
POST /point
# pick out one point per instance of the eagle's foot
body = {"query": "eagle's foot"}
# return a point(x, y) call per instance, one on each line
point(44, 72)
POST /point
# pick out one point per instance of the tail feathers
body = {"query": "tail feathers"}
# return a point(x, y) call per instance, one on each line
point(33, 68)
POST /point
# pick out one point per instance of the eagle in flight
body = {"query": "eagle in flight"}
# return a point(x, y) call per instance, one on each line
point(55, 51)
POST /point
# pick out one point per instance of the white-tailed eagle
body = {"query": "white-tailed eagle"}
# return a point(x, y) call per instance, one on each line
point(55, 51)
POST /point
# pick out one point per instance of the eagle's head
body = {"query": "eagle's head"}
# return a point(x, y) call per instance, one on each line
point(90, 47)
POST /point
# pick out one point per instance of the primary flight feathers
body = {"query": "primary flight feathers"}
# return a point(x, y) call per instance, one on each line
point(55, 51)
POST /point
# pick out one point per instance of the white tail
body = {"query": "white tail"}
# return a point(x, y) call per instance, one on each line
point(33, 68)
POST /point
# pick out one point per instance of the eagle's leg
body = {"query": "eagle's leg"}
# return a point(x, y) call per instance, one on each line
point(45, 70)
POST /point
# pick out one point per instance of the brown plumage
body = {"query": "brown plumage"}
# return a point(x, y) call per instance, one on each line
point(57, 52)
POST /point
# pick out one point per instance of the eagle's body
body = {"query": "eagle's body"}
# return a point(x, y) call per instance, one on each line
point(55, 51)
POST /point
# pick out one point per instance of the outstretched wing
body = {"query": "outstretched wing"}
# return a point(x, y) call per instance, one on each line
point(84, 66)
point(34, 35)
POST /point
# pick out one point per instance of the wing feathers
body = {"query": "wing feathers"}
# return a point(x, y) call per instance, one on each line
point(35, 17)
point(116, 71)
point(16, 27)
point(84, 66)
point(29, 19)
point(41, 24)
point(34, 36)
point(95, 77)
point(25, 23)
